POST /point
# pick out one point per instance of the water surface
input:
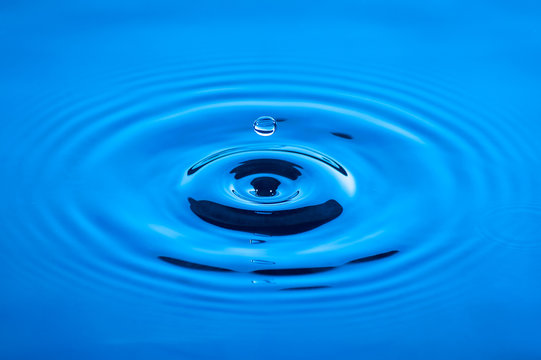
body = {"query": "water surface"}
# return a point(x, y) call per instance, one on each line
point(281, 180)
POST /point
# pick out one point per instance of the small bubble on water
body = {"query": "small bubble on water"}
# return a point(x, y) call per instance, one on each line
point(259, 282)
point(264, 262)
point(265, 125)
point(256, 241)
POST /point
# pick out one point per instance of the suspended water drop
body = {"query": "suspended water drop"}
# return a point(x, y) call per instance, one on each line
point(265, 125)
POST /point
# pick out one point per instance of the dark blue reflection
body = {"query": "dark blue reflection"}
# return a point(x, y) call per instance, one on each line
point(342, 135)
point(304, 288)
point(278, 272)
point(282, 222)
point(191, 265)
point(270, 166)
point(265, 186)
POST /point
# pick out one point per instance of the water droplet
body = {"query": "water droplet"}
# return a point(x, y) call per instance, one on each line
point(265, 125)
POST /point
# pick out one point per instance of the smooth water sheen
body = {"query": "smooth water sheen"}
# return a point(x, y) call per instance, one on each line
point(266, 200)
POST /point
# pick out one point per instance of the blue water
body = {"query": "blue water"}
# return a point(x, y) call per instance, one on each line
point(386, 206)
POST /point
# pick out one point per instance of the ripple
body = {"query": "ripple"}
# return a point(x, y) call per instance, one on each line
point(516, 226)
point(365, 200)
point(273, 223)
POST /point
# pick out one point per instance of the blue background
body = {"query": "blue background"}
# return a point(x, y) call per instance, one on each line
point(52, 52)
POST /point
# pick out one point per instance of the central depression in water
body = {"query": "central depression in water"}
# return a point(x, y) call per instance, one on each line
point(269, 180)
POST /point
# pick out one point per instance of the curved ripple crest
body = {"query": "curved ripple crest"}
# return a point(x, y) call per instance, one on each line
point(365, 194)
